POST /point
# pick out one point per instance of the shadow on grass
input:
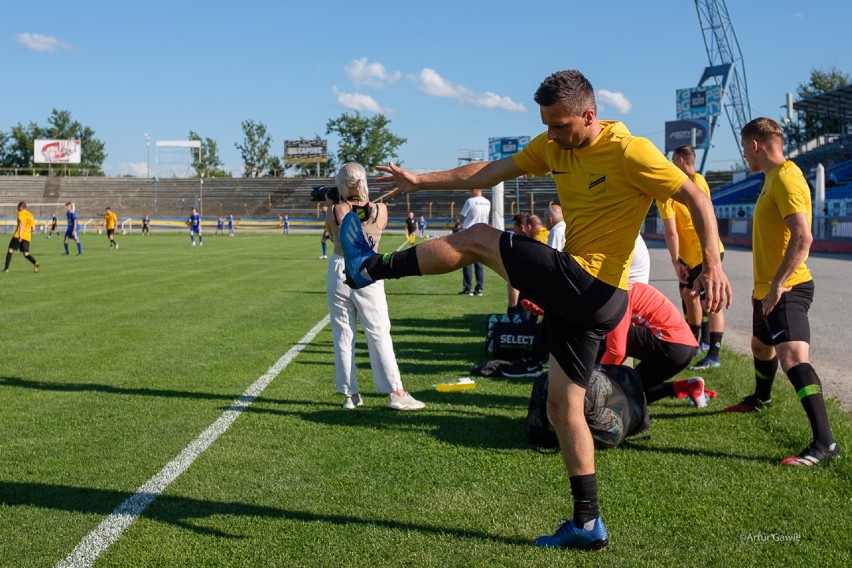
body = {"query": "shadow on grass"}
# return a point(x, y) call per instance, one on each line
point(15, 382)
point(468, 429)
point(180, 511)
point(643, 446)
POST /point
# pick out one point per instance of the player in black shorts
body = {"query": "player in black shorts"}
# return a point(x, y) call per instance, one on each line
point(609, 178)
point(783, 288)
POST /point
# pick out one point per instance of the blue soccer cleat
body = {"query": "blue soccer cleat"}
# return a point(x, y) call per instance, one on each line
point(356, 250)
point(706, 363)
point(570, 536)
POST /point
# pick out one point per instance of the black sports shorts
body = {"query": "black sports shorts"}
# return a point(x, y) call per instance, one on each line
point(110, 232)
point(579, 309)
point(15, 244)
point(788, 320)
point(694, 273)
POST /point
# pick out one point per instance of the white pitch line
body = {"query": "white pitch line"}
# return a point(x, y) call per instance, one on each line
point(110, 529)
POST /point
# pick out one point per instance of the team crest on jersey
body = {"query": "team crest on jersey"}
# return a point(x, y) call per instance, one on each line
point(597, 183)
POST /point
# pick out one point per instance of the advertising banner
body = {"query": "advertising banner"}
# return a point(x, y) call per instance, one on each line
point(57, 152)
point(699, 102)
point(499, 148)
point(305, 151)
point(679, 133)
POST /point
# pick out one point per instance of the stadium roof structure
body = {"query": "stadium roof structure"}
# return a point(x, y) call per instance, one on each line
point(836, 103)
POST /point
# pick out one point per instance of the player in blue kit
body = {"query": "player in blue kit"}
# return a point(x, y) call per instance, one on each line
point(195, 227)
point(72, 231)
point(230, 225)
point(220, 227)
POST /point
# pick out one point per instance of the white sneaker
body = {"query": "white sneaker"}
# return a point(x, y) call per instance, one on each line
point(353, 401)
point(404, 402)
point(323, 257)
point(193, 243)
point(201, 244)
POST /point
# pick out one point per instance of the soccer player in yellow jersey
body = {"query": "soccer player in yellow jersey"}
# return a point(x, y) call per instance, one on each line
point(606, 179)
point(685, 250)
point(110, 222)
point(535, 230)
point(783, 287)
point(21, 238)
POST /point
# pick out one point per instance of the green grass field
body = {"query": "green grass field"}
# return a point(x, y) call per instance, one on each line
point(115, 361)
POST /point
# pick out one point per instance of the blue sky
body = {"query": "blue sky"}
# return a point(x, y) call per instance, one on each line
point(448, 75)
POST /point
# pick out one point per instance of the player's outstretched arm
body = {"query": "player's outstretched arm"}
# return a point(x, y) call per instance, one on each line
point(469, 176)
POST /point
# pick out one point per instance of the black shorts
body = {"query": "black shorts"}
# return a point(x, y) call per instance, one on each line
point(693, 275)
point(579, 309)
point(23, 246)
point(110, 232)
point(788, 320)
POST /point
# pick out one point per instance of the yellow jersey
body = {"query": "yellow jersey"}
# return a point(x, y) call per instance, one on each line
point(110, 220)
point(784, 193)
point(541, 235)
point(606, 189)
point(26, 224)
point(689, 246)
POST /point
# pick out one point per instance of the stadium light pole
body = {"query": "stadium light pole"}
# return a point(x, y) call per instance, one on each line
point(148, 155)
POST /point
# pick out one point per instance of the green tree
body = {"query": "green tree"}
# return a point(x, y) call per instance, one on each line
point(822, 81)
point(256, 149)
point(367, 141)
point(20, 144)
point(92, 151)
point(207, 160)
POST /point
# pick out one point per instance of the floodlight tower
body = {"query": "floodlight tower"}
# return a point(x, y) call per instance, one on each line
point(726, 65)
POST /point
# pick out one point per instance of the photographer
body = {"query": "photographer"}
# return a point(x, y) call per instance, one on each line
point(368, 304)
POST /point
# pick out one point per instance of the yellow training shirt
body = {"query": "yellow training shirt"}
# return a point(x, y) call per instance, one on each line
point(26, 224)
point(784, 193)
point(605, 189)
point(689, 247)
point(541, 235)
point(110, 220)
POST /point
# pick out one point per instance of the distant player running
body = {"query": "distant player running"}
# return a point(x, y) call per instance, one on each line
point(72, 231)
point(110, 222)
point(21, 238)
point(195, 227)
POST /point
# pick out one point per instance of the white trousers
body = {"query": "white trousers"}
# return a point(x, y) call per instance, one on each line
point(371, 307)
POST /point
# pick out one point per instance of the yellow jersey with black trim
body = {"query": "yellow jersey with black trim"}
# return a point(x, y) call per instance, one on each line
point(26, 224)
point(605, 189)
point(785, 192)
point(541, 235)
point(110, 220)
point(689, 246)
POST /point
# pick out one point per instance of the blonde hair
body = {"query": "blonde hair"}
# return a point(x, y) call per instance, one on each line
point(351, 182)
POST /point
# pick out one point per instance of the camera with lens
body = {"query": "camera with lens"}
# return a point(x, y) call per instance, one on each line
point(324, 192)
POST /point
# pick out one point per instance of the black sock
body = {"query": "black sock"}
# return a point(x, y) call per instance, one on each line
point(764, 375)
point(584, 489)
point(705, 330)
point(8, 260)
point(809, 390)
point(30, 257)
point(695, 329)
point(715, 344)
point(393, 264)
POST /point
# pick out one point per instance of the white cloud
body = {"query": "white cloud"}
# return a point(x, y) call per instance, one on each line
point(798, 15)
point(364, 74)
point(359, 102)
point(135, 169)
point(615, 100)
point(42, 43)
point(431, 84)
